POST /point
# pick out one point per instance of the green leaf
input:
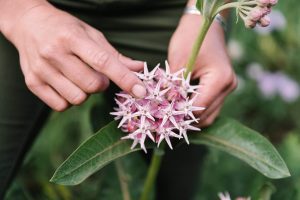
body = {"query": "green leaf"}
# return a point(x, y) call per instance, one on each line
point(96, 152)
point(234, 138)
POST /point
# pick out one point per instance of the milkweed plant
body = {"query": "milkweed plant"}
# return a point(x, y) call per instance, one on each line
point(167, 112)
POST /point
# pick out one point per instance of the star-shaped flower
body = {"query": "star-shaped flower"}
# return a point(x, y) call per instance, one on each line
point(184, 127)
point(186, 87)
point(166, 133)
point(146, 75)
point(128, 98)
point(187, 108)
point(157, 93)
point(139, 135)
point(124, 112)
point(172, 76)
point(144, 111)
point(138, 138)
point(169, 113)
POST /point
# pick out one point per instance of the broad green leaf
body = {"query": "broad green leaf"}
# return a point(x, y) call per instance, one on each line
point(234, 138)
point(92, 155)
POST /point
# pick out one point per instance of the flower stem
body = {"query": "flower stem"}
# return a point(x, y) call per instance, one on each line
point(227, 6)
point(123, 180)
point(198, 43)
point(152, 171)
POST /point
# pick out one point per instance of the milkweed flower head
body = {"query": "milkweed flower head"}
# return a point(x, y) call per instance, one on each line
point(255, 12)
point(165, 112)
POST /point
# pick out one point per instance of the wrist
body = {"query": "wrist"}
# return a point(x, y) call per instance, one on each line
point(13, 10)
point(192, 10)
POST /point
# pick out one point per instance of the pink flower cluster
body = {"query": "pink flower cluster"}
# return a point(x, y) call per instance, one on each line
point(256, 12)
point(165, 112)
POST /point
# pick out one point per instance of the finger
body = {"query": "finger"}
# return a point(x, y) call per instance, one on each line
point(176, 60)
point(216, 103)
point(63, 86)
point(134, 65)
point(98, 37)
point(105, 62)
point(210, 119)
point(48, 96)
point(212, 84)
point(82, 75)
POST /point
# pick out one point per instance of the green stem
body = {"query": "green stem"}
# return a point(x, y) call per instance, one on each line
point(152, 172)
point(196, 48)
point(266, 191)
point(236, 5)
point(227, 6)
point(123, 180)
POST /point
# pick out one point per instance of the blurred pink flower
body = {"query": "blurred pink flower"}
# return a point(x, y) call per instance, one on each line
point(274, 83)
point(235, 50)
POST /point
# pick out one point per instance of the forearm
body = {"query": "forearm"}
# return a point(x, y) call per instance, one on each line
point(13, 10)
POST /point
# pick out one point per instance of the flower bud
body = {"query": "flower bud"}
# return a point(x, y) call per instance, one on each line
point(273, 2)
point(249, 23)
point(256, 14)
point(265, 11)
point(265, 21)
point(263, 2)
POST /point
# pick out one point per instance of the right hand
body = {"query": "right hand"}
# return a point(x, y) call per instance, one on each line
point(64, 59)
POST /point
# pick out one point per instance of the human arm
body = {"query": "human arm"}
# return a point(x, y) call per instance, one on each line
point(62, 58)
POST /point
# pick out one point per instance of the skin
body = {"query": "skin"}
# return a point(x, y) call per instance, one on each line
point(213, 68)
point(64, 59)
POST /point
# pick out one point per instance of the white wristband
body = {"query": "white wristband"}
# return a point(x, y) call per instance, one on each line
point(194, 11)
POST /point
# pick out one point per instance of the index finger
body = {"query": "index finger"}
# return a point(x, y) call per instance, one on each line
point(103, 61)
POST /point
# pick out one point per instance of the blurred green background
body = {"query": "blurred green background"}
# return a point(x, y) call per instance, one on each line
point(267, 100)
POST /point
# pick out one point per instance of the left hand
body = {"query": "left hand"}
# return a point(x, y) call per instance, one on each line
point(213, 68)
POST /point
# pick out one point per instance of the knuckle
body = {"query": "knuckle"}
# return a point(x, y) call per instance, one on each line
point(70, 34)
point(228, 78)
point(101, 60)
point(78, 98)
point(100, 35)
point(94, 85)
point(105, 83)
point(125, 78)
point(118, 55)
point(37, 68)
point(49, 52)
point(60, 106)
point(207, 122)
point(31, 81)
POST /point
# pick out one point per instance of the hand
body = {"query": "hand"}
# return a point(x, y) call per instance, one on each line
point(64, 59)
point(213, 69)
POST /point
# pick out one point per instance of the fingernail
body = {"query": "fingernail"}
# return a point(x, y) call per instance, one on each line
point(139, 91)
